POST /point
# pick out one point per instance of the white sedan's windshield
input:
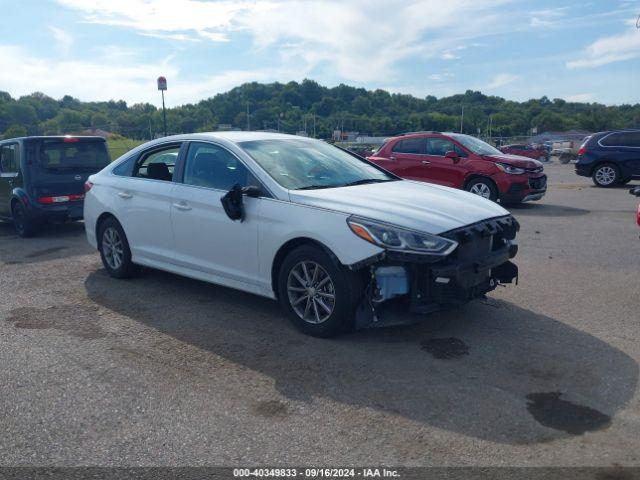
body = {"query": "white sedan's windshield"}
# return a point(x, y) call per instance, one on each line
point(477, 146)
point(304, 164)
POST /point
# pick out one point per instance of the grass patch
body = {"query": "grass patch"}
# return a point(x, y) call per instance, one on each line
point(120, 145)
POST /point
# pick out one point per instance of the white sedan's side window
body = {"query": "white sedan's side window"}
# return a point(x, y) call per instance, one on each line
point(211, 166)
point(157, 165)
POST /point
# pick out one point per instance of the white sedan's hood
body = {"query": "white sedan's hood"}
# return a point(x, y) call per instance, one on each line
point(420, 206)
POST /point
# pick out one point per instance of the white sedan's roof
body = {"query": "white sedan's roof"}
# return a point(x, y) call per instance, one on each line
point(230, 138)
point(239, 136)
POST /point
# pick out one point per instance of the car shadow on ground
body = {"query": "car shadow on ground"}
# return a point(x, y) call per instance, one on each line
point(546, 210)
point(622, 186)
point(51, 242)
point(490, 370)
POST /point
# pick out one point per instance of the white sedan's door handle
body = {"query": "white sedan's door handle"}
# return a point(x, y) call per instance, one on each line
point(182, 206)
point(125, 195)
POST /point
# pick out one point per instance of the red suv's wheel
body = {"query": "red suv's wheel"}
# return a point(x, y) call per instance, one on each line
point(484, 188)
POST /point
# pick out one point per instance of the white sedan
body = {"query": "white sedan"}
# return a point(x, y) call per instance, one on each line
point(334, 238)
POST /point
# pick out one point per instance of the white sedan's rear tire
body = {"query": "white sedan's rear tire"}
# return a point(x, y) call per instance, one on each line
point(114, 249)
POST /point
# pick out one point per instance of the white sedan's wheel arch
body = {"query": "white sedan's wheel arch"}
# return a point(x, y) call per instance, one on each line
point(289, 247)
point(327, 229)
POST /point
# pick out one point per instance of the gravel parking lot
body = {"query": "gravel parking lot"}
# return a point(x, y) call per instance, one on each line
point(162, 370)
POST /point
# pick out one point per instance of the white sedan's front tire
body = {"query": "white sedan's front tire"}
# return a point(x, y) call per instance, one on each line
point(317, 293)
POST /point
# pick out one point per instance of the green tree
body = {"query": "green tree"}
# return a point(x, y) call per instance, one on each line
point(548, 121)
point(14, 131)
point(100, 120)
point(376, 112)
point(361, 106)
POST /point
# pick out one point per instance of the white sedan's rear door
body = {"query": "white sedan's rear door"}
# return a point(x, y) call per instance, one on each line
point(142, 203)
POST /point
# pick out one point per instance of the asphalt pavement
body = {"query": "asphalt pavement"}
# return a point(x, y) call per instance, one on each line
point(163, 370)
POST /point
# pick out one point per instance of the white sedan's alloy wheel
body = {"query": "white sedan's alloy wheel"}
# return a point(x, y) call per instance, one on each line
point(311, 292)
point(112, 248)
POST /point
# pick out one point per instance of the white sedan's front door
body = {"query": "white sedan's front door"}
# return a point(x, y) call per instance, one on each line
point(206, 239)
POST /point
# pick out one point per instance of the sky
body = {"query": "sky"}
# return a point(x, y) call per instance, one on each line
point(115, 49)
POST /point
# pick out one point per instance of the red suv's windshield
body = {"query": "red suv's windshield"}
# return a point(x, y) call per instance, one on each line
point(475, 145)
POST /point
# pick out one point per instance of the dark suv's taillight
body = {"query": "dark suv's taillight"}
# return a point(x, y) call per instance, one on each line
point(582, 151)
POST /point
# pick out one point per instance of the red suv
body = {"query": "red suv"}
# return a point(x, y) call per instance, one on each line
point(530, 151)
point(465, 162)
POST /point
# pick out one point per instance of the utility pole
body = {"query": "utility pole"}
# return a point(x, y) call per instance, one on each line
point(314, 125)
point(280, 115)
point(462, 118)
point(248, 118)
point(162, 86)
point(164, 116)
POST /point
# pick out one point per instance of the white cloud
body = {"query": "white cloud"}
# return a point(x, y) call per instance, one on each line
point(357, 40)
point(451, 53)
point(99, 79)
point(63, 39)
point(118, 74)
point(603, 51)
point(546, 17)
point(440, 77)
point(550, 12)
point(580, 97)
point(397, 30)
point(501, 80)
point(163, 15)
point(179, 37)
point(536, 22)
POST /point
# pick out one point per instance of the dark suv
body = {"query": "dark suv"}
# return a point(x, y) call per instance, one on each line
point(610, 158)
point(539, 152)
point(42, 178)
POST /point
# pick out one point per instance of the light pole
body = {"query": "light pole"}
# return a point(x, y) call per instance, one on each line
point(162, 86)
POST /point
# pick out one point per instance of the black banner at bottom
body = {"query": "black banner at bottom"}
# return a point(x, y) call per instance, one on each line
point(427, 473)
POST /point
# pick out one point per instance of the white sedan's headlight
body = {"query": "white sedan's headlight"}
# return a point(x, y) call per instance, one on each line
point(400, 239)
point(506, 168)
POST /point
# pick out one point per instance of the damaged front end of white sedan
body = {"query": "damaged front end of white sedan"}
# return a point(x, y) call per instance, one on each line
point(422, 273)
